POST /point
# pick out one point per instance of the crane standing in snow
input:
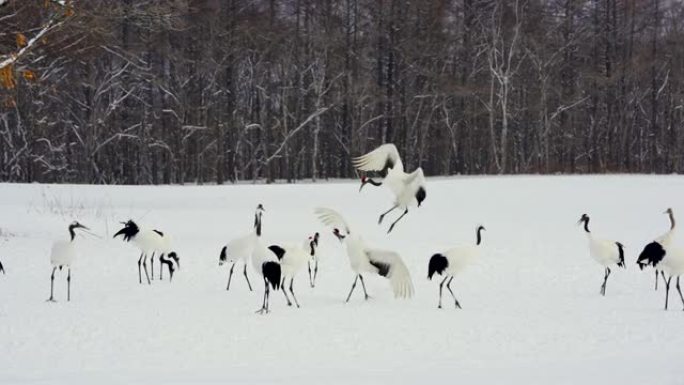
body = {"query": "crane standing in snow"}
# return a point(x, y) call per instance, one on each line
point(364, 259)
point(669, 261)
point(452, 262)
point(265, 263)
point(666, 239)
point(313, 251)
point(408, 189)
point(607, 253)
point(241, 249)
point(63, 254)
point(292, 259)
point(148, 242)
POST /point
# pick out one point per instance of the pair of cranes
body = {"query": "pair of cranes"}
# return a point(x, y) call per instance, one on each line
point(665, 258)
point(150, 242)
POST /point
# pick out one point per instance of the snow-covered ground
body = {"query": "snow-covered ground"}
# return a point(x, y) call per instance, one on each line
point(532, 313)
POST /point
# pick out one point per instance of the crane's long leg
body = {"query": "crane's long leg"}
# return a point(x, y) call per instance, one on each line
point(656, 280)
point(139, 270)
point(52, 285)
point(230, 275)
point(441, 285)
point(315, 273)
point(605, 280)
point(268, 297)
point(311, 282)
point(244, 271)
point(395, 222)
point(69, 285)
point(263, 305)
point(680, 291)
point(667, 290)
point(147, 275)
point(297, 302)
point(363, 285)
point(161, 269)
point(382, 216)
point(352, 288)
point(282, 287)
point(458, 305)
point(152, 265)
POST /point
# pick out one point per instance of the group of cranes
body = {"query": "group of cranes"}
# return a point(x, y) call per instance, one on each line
point(277, 264)
point(666, 259)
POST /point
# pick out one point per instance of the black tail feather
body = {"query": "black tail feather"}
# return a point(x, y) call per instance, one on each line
point(271, 271)
point(223, 257)
point(175, 258)
point(652, 254)
point(621, 249)
point(438, 263)
point(278, 251)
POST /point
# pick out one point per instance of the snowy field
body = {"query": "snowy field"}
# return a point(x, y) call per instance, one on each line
point(532, 313)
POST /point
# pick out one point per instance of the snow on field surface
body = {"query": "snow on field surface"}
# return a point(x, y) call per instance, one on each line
point(532, 313)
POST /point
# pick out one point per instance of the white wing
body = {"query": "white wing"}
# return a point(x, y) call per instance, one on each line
point(391, 266)
point(415, 178)
point(330, 217)
point(382, 158)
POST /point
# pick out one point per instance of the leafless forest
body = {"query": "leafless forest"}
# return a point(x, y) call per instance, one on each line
point(213, 91)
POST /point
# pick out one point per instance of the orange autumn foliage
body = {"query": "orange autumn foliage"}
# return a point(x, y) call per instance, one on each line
point(7, 77)
point(29, 75)
point(21, 40)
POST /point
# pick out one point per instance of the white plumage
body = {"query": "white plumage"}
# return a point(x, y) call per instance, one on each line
point(292, 259)
point(239, 250)
point(454, 261)
point(265, 263)
point(670, 263)
point(666, 239)
point(606, 252)
point(408, 189)
point(151, 243)
point(63, 254)
point(665, 257)
point(364, 259)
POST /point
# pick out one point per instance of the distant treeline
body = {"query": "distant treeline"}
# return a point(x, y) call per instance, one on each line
point(174, 91)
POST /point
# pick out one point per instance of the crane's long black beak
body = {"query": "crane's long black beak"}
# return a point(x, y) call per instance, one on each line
point(120, 232)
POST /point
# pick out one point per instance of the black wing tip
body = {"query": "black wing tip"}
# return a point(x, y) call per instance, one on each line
point(621, 250)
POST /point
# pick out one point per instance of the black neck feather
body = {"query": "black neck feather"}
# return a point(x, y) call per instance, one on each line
point(374, 183)
point(257, 224)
